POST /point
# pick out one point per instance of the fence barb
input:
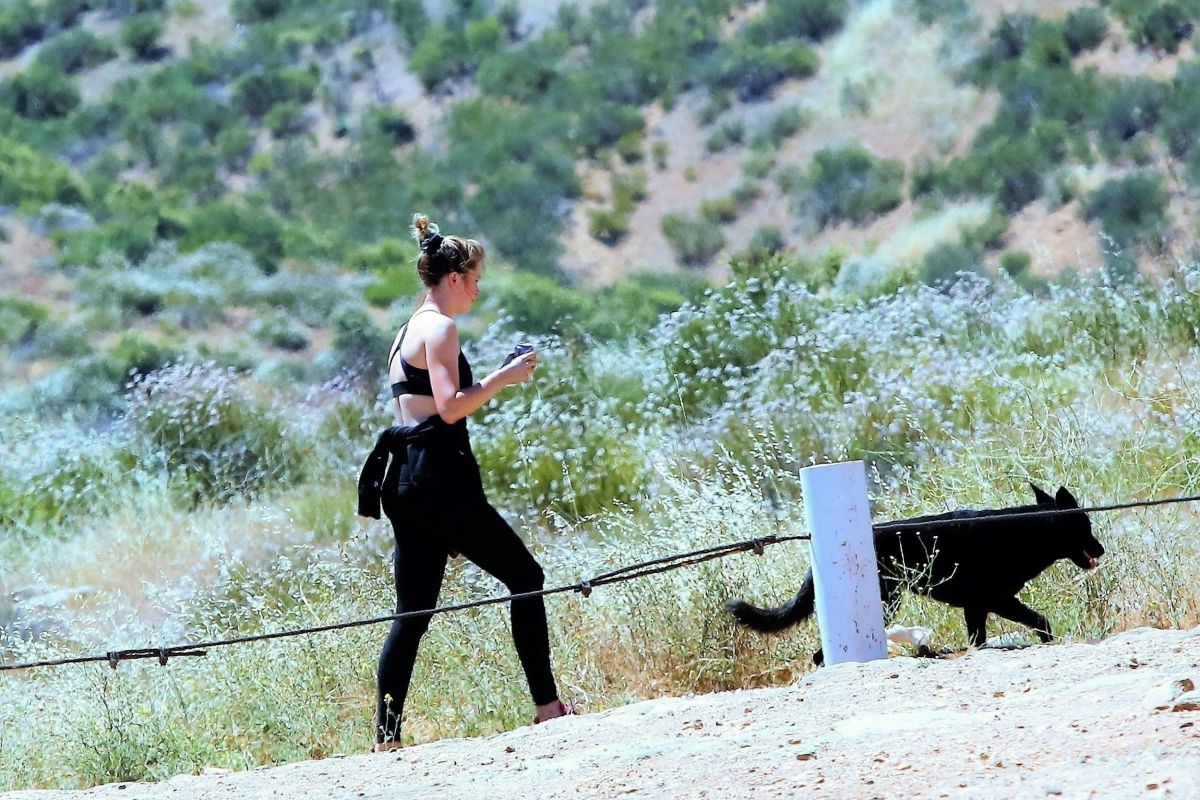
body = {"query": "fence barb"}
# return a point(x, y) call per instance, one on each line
point(584, 587)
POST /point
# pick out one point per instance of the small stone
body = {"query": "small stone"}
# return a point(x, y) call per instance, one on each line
point(1165, 694)
point(806, 755)
point(510, 749)
point(1187, 702)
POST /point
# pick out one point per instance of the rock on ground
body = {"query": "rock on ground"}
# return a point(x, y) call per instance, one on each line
point(1106, 720)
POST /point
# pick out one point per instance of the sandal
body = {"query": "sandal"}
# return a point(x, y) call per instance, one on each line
point(386, 747)
point(568, 710)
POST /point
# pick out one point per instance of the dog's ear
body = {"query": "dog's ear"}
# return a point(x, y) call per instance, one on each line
point(1043, 499)
point(1064, 499)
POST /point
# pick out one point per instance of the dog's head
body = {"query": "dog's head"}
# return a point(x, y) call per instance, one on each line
point(1074, 530)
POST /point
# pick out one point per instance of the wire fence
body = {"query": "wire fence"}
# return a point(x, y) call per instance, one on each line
point(584, 587)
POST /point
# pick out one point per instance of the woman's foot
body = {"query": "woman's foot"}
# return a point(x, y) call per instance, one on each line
point(383, 747)
point(555, 708)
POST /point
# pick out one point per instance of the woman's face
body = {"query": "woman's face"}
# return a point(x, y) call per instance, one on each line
point(468, 285)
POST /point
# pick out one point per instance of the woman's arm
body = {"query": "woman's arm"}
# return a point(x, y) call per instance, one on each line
point(441, 353)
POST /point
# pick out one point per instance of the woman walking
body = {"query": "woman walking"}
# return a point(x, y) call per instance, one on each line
point(433, 493)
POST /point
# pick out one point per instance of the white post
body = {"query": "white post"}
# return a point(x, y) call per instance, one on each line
point(845, 574)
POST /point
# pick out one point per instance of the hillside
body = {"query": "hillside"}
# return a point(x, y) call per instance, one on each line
point(1106, 721)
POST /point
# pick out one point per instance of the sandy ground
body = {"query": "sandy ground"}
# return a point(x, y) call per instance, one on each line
point(1108, 720)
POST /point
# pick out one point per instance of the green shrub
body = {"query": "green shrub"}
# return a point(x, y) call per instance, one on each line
point(850, 184)
point(719, 210)
point(19, 320)
point(440, 55)
point(608, 225)
point(946, 260)
point(778, 127)
point(393, 264)
point(140, 33)
point(391, 124)
point(285, 119)
point(63, 14)
point(1084, 29)
point(1164, 27)
point(1131, 210)
point(753, 70)
point(257, 92)
point(357, 340)
point(279, 330)
point(250, 226)
point(1010, 35)
point(602, 125)
point(252, 11)
point(535, 304)
point(695, 241)
point(758, 163)
point(527, 75)
point(39, 93)
point(75, 50)
point(805, 19)
point(727, 133)
point(1134, 106)
point(27, 177)
point(215, 437)
point(20, 26)
point(1016, 263)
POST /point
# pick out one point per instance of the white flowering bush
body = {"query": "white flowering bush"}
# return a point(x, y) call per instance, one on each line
point(212, 434)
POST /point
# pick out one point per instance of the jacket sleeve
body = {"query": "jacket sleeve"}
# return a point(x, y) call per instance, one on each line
point(370, 479)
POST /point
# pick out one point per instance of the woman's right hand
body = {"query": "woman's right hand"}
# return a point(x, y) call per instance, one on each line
point(519, 370)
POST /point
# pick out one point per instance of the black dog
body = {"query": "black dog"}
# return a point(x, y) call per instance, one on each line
point(977, 564)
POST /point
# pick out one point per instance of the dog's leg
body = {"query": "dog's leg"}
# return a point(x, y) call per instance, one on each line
point(976, 617)
point(1014, 609)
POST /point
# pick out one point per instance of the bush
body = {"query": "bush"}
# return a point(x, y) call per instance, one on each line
point(1016, 263)
point(19, 320)
point(850, 184)
point(1134, 106)
point(39, 93)
point(536, 304)
point(253, 227)
point(140, 33)
point(279, 330)
point(1084, 29)
point(719, 210)
point(1130, 210)
point(390, 124)
point(695, 241)
point(252, 11)
point(1164, 27)
point(258, 92)
point(216, 438)
point(726, 134)
point(805, 19)
point(945, 261)
point(357, 340)
point(28, 177)
point(75, 50)
point(608, 225)
point(778, 127)
point(20, 26)
point(285, 119)
point(392, 263)
point(64, 14)
point(753, 70)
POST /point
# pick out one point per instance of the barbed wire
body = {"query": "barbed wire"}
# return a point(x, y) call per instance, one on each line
point(584, 587)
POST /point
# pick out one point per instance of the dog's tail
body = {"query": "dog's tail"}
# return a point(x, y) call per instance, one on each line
point(771, 620)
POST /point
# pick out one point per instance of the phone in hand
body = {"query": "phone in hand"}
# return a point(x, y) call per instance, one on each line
point(520, 350)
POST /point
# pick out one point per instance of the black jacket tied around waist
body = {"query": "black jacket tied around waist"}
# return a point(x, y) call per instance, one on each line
point(437, 454)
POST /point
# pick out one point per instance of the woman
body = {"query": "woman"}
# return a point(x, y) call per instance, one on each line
point(433, 494)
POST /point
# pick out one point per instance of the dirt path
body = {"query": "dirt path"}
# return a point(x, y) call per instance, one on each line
point(1070, 721)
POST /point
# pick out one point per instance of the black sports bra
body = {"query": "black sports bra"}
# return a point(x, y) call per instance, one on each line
point(416, 380)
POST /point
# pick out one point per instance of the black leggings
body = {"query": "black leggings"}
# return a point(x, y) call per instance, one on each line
point(427, 527)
